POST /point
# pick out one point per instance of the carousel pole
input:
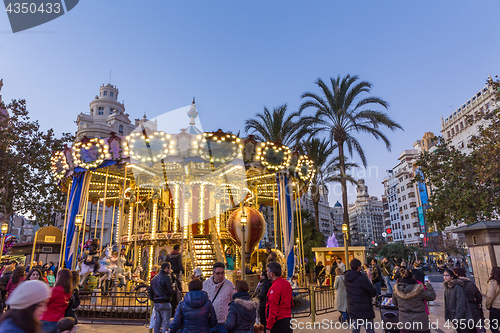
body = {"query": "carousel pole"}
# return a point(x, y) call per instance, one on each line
point(86, 206)
point(104, 207)
point(96, 218)
point(275, 224)
point(298, 233)
point(301, 240)
point(121, 217)
point(112, 222)
point(258, 247)
point(63, 241)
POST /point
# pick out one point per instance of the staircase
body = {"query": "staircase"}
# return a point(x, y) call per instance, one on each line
point(204, 253)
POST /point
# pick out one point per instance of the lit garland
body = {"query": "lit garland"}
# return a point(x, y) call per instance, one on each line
point(186, 216)
point(153, 222)
point(262, 177)
point(218, 138)
point(305, 168)
point(151, 257)
point(80, 147)
point(217, 214)
point(58, 171)
point(264, 151)
point(147, 143)
point(202, 208)
point(130, 220)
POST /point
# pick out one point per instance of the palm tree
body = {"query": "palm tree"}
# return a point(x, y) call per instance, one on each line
point(275, 126)
point(340, 118)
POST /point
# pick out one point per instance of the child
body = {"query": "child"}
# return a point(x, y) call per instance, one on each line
point(51, 278)
point(154, 271)
point(66, 325)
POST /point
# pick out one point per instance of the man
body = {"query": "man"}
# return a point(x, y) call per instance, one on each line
point(162, 292)
point(418, 273)
point(175, 259)
point(319, 271)
point(279, 301)
point(271, 255)
point(220, 292)
point(377, 279)
point(340, 264)
point(386, 273)
point(359, 297)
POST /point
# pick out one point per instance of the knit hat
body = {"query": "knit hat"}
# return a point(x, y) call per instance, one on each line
point(197, 272)
point(28, 293)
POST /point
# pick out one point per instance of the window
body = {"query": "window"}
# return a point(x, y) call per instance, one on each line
point(449, 136)
point(406, 177)
point(487, 106)
point(452, 131)
point(105, 93)
point(404, 197)
point(101, 111)
point(456, 128)
point(91, 112)
point(406, 217)
point(461, 145)
point(405, 207)
point(411, 195)
point(111, 94)
point(399, 199)
point(461, 125)
point(402, 218)
point(111, 111)
point(402, 188)
point(120, 129)
point(404, 227)
point(413, 204)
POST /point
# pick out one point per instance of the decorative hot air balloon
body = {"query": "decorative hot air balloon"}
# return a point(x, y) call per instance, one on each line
point(254, 230)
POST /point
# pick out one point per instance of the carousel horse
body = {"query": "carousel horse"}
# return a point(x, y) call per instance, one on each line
point(103, 268)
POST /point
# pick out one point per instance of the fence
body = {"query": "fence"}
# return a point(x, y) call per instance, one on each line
point(113, 307)
point(313, 301)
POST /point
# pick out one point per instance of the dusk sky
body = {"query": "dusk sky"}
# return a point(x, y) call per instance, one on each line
point(426, 58)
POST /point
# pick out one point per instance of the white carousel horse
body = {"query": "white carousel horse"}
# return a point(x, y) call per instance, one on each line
point(103, 268)
point(136, 276)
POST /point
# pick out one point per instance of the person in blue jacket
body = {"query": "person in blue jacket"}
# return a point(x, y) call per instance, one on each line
point(195, 314)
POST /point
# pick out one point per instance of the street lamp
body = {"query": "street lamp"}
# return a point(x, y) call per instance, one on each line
point(345, 230)
point(243, 225)
point(78, 224)
point(4, 228)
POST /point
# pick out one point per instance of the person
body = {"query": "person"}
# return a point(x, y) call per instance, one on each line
point(58, 302)
point(410, 297)
point(39, 265)
point(229, 259)
point(377, 279)
point(367, 271)
point(456, 306)
point(220, 291)
point(4, 280)
point(319, 271)
point(175, 260)
point(474, 296)
point(66, 325)
point(396, 274)
point(52, 267)
point(123, 258)
point(261, 293)
point(162, 289)
point(359, 297)
point(51, 278)
point(18, 276)
point(198, 274)
point(493, 297)
point(27, 303)
point(195, 313)
point(340, 264)
point(242, 310)
point(154, 271)
point(385, 266)
point(340, 293)
point(35, 274)
point(332, 269)
point(271, 255)
point(279, 301)
point(418, 272)
point(74, 301)
point(93, 255)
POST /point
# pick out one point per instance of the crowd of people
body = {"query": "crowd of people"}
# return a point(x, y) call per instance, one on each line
point(218, 305)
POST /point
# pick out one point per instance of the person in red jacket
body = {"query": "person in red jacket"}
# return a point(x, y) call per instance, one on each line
point(58, 302)
point(279, 301)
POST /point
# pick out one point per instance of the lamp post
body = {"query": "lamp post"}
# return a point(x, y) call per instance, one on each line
point(243, 225)
point(345, 230)
point(78, 224)
point(4, 229)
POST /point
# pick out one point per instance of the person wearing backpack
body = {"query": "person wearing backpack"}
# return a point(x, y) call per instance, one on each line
point(195, 314)
point(242, 310)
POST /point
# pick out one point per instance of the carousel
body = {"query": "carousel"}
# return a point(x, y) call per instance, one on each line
point(202, 190)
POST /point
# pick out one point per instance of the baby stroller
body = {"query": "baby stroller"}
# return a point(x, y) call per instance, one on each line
point(388, 313)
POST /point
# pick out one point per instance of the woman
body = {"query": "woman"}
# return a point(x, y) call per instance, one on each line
point(195, 314)
point(367, 272)
point(410, 297)
point(58, 302)
point(340, 293)
point(242, 310)
point(474, 296)
point(456, 307)
point(18, 276)
point(493, 297)
point(74, 301)
point(319, 272)
point(93, 256)
point(229, 259)
point(35, 274)
point(261, 293)
point(27, 303)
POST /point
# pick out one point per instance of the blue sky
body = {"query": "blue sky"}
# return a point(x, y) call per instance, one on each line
point(422, 57)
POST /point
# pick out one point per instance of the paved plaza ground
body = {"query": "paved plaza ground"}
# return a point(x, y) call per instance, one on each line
point(436, 315)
